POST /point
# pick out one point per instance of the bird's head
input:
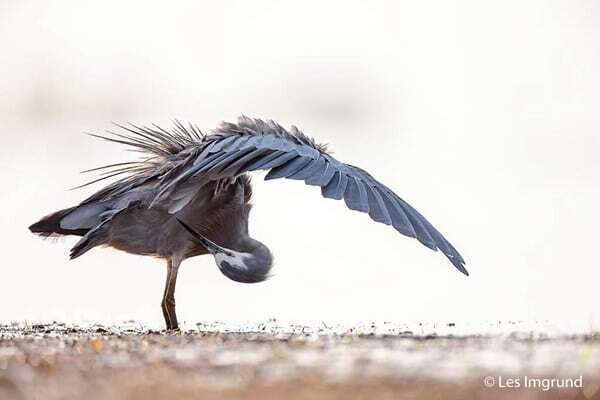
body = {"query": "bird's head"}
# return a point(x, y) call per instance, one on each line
point(251, 263)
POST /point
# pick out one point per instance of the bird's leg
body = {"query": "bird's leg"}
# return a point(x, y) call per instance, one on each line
point(168, 301)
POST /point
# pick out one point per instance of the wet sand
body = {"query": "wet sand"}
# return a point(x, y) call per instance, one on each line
point(266, 361)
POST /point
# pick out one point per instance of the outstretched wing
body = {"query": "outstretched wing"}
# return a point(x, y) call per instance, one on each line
point(251, 145)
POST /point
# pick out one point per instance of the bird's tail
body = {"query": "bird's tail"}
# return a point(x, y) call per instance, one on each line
point(50, 225)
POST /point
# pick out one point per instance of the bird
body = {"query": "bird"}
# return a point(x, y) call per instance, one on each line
point(189, 194)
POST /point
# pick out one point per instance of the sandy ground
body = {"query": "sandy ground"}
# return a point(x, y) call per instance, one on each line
point(266, 361)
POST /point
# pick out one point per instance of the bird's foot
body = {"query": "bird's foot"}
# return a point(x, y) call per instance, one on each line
point(172, 331)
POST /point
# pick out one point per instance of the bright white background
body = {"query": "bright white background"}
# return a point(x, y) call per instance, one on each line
point(483, 115)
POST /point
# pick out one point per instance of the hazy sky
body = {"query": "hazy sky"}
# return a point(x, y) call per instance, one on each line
point(482, 115)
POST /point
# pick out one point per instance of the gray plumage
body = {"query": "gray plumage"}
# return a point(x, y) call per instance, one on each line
point(190, 195)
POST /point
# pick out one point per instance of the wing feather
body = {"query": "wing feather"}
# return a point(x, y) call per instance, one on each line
point(253, 155)
point(219, 157)
point(236, 144)
point(268, 141)
point(233, 157)
point(355, 195)
point(377, 209)
point(277, 161)
point(399, 218)
point(266, 160)
point(423, 234)
point(219, 145)
point(253, 142)
point(324, 178)
point(310, 169)
point(289, 168)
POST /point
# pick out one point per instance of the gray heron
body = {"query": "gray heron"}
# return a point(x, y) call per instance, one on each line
point(190, 195)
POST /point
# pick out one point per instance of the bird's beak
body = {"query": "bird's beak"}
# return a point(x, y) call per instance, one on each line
point(211, 246)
